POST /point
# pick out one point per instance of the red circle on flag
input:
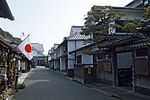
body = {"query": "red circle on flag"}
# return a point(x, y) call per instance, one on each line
point(28, 48)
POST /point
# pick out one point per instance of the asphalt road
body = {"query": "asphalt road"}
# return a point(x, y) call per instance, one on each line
point(46, 84)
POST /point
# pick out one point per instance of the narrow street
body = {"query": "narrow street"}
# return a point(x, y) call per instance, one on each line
point(46, 84)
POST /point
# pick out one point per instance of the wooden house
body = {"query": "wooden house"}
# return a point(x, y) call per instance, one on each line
point(84, 64)
point(74, 41)
point(7, 55)
point(120, 58)
point(8, 65)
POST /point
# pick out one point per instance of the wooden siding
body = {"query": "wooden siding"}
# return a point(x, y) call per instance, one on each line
point(83, 72)
point(104, 70)
point(141, 66)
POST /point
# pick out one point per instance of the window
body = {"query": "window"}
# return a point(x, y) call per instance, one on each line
point(141, 52)
point(141, 62)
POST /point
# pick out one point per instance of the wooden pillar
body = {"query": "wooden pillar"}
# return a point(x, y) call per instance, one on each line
point(149, 60)
point(94, 68)
point(114, 68)
point(133, 72)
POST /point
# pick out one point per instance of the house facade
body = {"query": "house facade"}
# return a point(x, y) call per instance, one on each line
point(53, 62)
point(116, 67)
point(37, 53)
point(118, 58)
point(8, 68)
point(84, 64)
point(63, 60)
point(74, 41)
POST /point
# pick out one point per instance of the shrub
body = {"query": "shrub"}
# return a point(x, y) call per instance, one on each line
point(21, 86)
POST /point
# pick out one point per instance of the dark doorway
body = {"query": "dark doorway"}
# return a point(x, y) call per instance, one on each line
point(125, 63)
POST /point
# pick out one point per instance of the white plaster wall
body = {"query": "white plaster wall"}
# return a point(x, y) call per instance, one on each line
point(73, 45)
point(62, 64)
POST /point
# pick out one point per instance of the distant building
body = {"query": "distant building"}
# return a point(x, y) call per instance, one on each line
point(59, 57)
point(37, 53)
point(37, 49)
point(52, 62)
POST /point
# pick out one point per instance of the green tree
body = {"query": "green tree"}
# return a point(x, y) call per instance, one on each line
point(130, 26)
point(97, 21)
point(146, 11)
point(99, 18)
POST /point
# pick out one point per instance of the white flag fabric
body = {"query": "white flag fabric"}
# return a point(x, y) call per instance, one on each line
point(25, 48)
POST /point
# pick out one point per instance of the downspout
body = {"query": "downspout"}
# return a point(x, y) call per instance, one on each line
point(133, 71)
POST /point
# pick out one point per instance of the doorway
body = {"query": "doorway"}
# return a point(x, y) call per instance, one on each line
point(124, 67)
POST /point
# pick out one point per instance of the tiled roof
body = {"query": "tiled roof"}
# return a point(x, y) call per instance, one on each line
point(38, 46)
point(75, 34)
point(5, 11)
point(78, 36)
point(37, 49)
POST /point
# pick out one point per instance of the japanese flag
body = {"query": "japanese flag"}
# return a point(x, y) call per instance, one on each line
point(25, 48)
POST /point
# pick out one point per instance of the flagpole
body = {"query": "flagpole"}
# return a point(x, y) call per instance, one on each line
point(23, 40)
point(26, 37)
point(25, 47)
point(22, 35)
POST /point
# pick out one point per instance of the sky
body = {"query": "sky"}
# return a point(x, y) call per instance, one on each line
point(49, 21)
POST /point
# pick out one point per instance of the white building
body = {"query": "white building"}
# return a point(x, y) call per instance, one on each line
point(37, 53)
point(62, 59)
point(37, 49)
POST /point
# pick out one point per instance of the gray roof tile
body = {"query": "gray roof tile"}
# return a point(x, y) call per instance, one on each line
point(75, 34)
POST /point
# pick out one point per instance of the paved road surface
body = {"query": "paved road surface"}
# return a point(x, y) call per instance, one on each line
point(46, 84)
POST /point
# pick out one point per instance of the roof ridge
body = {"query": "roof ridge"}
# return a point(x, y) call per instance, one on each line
point(72, 35)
